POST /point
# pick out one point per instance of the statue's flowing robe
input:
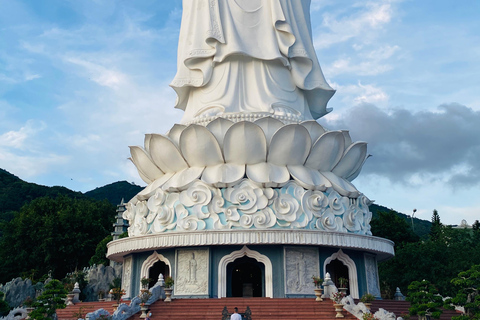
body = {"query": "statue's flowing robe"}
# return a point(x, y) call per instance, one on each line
point(248, 56)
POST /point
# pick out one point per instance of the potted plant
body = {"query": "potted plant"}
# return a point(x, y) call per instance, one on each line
point(116, 291)
point(145, 281)
point(144, 295)
point(101, 295)
point(168, 288)
point(117, 294)
point(367, 299)
point(318, 290)
point(368, 316)
point(343, 284)
point(70, 295)
point(337, 303)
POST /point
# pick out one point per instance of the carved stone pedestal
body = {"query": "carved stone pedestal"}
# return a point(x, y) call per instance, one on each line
point(338, 309)
point(144, 309)
point(318, 294)
point(168, 294)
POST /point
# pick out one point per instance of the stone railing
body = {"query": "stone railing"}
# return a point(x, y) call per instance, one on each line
point(16, 314)
point(125, 311)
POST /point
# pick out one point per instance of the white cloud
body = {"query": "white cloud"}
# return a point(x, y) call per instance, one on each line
point(21, 139)
point(29, 77)
point(368, 19)
point(414, 148)
point(351, 95)
point(30, 166)
point(100, 74)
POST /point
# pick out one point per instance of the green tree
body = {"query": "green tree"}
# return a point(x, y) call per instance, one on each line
point(4, 307)
point(424, 299)
point(437, 226)
point(49, 301)
point(58, 235)
point(100, 256)
point(391, 226)
point(436, 261)
point(468, 295)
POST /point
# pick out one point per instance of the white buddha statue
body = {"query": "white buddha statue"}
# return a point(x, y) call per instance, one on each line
point(248, 56)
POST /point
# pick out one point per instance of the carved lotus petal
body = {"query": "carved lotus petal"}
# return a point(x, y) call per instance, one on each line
point(144, 163)
point(152, 187)
point(290, 145)
point(327, 151)
point(183, 179)
point(175, 132)
point(353, 158)
point(309, 178)
point(223, 175)
point(348, 139)
point(165, 154)
point(341, 185)
point(357, 172)
point(146, 142)
point(140, 173)
point(314, 129)
point(268, 174)
point(199, 147)
point(245, 143)
point(219, 128)
point(269, 126)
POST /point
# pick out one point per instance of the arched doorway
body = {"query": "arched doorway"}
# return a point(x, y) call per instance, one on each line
point(245, 278)
point(351, 271)
point(338, 270)
point(245, 252)
point(158, 268)
point(153, 266)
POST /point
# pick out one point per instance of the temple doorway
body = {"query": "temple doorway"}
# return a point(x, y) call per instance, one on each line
point(245, 278)
point(338, 270)
point(155, 270)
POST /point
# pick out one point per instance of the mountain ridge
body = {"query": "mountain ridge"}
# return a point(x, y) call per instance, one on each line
point(15, 192)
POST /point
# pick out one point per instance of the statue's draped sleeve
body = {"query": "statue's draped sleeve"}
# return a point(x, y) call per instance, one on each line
point(215, 30)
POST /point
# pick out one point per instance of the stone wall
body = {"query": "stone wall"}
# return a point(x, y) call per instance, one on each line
point(99, 278)
point(17, 290)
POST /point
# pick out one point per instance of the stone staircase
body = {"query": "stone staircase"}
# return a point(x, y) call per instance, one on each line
point(82, 308)
point(262, 309)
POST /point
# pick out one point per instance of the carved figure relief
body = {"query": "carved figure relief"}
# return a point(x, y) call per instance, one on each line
point(300, 265)
point(127, 273)
point(372, 276)
point(192, 269)
point(192, 272)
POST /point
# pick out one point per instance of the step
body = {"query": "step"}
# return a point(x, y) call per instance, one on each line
point(261, 308)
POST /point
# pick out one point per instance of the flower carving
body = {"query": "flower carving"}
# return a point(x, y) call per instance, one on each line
point(247, 197)
point(246, 206)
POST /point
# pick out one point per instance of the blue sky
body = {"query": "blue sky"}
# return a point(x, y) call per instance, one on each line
point(80, 81)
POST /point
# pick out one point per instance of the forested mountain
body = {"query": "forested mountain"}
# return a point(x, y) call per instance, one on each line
point(421, 227)
point(53, 229)
point(14, 193)
point(115, 192)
